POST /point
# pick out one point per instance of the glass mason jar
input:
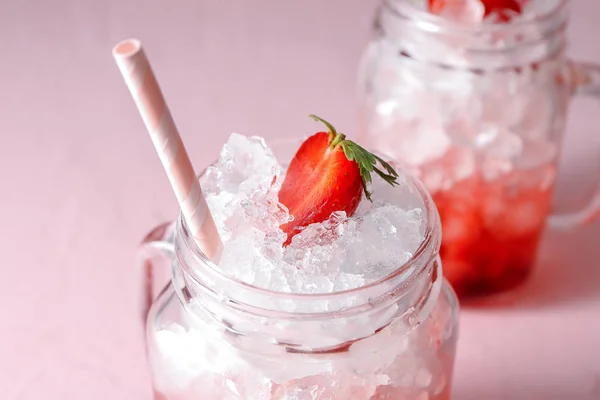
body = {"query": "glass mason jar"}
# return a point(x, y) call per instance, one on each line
point(210, 336)
point(478, 113)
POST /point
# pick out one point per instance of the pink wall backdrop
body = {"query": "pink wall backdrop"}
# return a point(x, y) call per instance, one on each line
point(81, 184)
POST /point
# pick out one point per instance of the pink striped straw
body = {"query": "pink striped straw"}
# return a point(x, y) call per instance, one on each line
point(146, 93)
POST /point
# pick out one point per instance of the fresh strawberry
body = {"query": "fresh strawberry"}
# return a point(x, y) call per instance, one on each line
point(328, 173)
point(504, 9)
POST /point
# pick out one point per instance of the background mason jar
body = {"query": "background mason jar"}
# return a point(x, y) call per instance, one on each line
point(478, 113)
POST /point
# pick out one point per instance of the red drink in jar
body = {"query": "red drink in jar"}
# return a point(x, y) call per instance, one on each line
point(491, 230)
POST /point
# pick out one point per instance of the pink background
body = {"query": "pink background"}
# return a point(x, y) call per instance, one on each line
point(81, 185)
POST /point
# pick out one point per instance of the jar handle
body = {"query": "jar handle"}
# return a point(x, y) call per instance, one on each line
point(585, 80)
point(153, 263)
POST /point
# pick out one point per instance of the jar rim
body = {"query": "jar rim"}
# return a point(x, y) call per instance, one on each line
point(428, 250)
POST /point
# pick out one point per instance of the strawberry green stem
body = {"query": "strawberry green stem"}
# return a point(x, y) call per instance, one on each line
point(332, 132)
point(339, 138)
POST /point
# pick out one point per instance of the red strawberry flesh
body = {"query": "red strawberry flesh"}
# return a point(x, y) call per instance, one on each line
point(328, 173)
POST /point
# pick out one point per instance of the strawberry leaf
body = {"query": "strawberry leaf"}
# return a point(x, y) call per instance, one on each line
point(367, 163)
point(387, 166)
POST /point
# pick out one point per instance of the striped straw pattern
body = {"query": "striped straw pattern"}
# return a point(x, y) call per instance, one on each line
point(146, 93)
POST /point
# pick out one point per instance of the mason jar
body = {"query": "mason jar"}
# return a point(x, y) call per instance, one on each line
point(477, 112)
point(210, 336)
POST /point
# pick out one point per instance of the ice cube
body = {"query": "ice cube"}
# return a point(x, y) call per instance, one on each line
point(316, 255)
point(514, 209)
point(253, 249)
point(326, 386)
point(417, 141)
point(536, 153)
point(499, 154)
point(492, 168)
point(459, 210)
point(524, 217)
point(246, 172)
point(244, 164)
point(376, 352)
point(221, 206)
point(505, 145)
point(410, 131)
point(457, 164)
point(383, 240)
point(186, 354)
point(467, 132)
point(320, 234)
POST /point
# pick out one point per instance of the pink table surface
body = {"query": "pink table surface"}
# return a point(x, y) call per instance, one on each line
point(81, 184)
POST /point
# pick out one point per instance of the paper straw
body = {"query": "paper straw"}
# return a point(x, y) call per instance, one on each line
point(142, 84)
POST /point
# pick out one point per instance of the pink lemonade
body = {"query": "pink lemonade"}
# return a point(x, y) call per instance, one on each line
point(491, 230)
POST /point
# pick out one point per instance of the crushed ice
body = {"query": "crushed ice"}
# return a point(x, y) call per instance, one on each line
point(339, 254)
